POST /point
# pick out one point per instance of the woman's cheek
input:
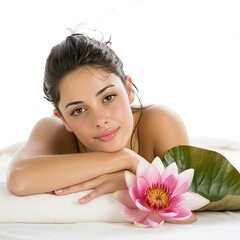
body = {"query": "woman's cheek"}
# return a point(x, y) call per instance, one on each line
point(121, 111)
point(79, 129)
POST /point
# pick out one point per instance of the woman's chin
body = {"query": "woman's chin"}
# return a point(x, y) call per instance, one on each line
point(110, 148)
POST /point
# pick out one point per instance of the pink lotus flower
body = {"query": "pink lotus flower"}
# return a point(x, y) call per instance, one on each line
point(156, 194)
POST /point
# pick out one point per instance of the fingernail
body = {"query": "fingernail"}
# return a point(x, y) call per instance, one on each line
point(59, 191)
point(81, 201)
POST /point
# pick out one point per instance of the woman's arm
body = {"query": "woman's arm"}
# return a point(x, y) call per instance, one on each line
point(160, 129)
point(44, 163)
point(103, 184)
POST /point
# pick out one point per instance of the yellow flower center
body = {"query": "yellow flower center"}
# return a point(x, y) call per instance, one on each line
point(157, 198)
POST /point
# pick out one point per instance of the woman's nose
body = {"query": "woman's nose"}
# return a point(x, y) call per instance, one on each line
point(100, 119)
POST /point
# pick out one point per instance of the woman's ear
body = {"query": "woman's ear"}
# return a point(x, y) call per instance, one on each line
point(59, 115)
point(131, 95)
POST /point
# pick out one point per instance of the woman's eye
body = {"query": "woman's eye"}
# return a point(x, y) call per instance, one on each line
point(109, 98)
point(78, 111)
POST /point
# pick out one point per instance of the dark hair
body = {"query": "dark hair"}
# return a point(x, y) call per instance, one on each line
point(76, 51)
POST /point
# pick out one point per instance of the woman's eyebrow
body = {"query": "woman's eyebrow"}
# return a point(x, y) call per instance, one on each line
point(73, 103)
point(105, 88)
point(97, 94)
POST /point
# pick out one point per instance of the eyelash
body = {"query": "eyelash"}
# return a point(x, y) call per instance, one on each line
point(112, 96)
point(76, 112)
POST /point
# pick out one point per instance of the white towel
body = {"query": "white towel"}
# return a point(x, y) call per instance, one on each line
point(48, 208)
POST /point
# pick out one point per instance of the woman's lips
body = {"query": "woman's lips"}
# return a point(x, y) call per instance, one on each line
point(108, 135)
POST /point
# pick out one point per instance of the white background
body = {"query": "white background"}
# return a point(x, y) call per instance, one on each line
point(183, 54)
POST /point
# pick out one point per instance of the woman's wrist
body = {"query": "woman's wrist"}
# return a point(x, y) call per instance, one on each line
point(130, 159)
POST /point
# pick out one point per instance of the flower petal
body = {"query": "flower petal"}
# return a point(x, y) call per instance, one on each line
point(123, 197)
point(153, 176)
point(184, 181)
point(170, 169)
point(142, 186)
point(140, 205)
point(165, 214)
point(134, 215)
point(183, 213)
point(141, 168)
point(188, 220)
point(154, 220)
point(141, 225)
point(157, 162)
point(130, 179)
point(133, 192)
point(170, 183)
point(195, 201)
point(177, 201)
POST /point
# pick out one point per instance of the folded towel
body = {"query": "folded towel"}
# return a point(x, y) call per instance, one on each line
point(48, 208)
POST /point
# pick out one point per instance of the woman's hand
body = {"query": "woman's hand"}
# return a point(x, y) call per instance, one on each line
point(133, 159)
point(107, 183)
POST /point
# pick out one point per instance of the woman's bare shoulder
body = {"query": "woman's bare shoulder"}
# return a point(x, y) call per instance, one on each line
point(163, 127)
point(49, 136)
point(160, 113)
point(48, 127)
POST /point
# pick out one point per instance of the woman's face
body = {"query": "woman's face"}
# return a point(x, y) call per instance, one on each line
point(95, 106)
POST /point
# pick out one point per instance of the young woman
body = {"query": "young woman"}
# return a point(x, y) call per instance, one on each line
point(96, 133)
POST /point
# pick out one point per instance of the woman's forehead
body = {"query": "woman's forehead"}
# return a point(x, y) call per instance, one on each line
point(86, 80)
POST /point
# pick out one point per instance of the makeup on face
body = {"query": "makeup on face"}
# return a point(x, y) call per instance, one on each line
point(96, 110)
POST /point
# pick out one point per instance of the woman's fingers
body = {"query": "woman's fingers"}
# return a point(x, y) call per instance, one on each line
point(103, 184)
point(110, 183)
point(92, 195)
point(78, 187)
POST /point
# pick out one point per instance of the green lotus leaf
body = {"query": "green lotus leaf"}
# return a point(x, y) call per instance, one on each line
point(215, 178)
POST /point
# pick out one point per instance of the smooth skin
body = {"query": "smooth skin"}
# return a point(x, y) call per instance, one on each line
point(87, 145)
